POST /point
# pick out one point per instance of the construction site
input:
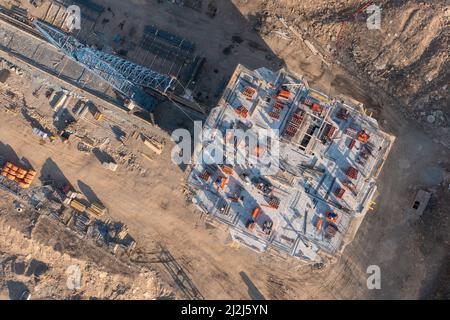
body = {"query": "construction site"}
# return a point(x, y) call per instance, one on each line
point(330, 154)
point(87, 177)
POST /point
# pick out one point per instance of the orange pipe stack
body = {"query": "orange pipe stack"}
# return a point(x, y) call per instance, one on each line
point(14, 173)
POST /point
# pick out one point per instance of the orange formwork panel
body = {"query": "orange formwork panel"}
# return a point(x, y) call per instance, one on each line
point(227, 169)
point(256, 212)
point(284, 94)
point(249, 92)
point(319, 224)
point(224, 182)
point(20, 176)
point(27, 180)
point(363, 136)
point(274, 115)
point(316, 107)
point(24, 185)
point(242, 111)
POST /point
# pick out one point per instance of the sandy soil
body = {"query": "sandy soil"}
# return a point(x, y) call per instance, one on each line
point(386, 238)
point(412, 254)
point(30, 266)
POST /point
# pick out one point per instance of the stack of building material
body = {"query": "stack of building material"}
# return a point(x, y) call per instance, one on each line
point(249, 92)
point(110, 165)
point(60, 102)
point(352, 173)
point(284, 94)
point(81, 222)
point(77, 205)
point(98, 116)
point(14, 173)
point(96, 209)
point(242, 111)
point(276, 109)
point(294, 123)
point(154, 145)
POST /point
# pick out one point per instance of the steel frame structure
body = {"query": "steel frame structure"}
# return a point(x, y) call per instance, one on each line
point(121, 74)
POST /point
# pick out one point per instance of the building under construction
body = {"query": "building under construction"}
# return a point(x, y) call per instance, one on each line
point(330, 154)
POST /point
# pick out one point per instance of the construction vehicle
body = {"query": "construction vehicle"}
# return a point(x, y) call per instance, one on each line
point(332, 216)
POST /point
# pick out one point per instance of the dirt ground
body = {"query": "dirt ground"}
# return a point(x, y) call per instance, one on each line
point(30, 267)
point(412, 253)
